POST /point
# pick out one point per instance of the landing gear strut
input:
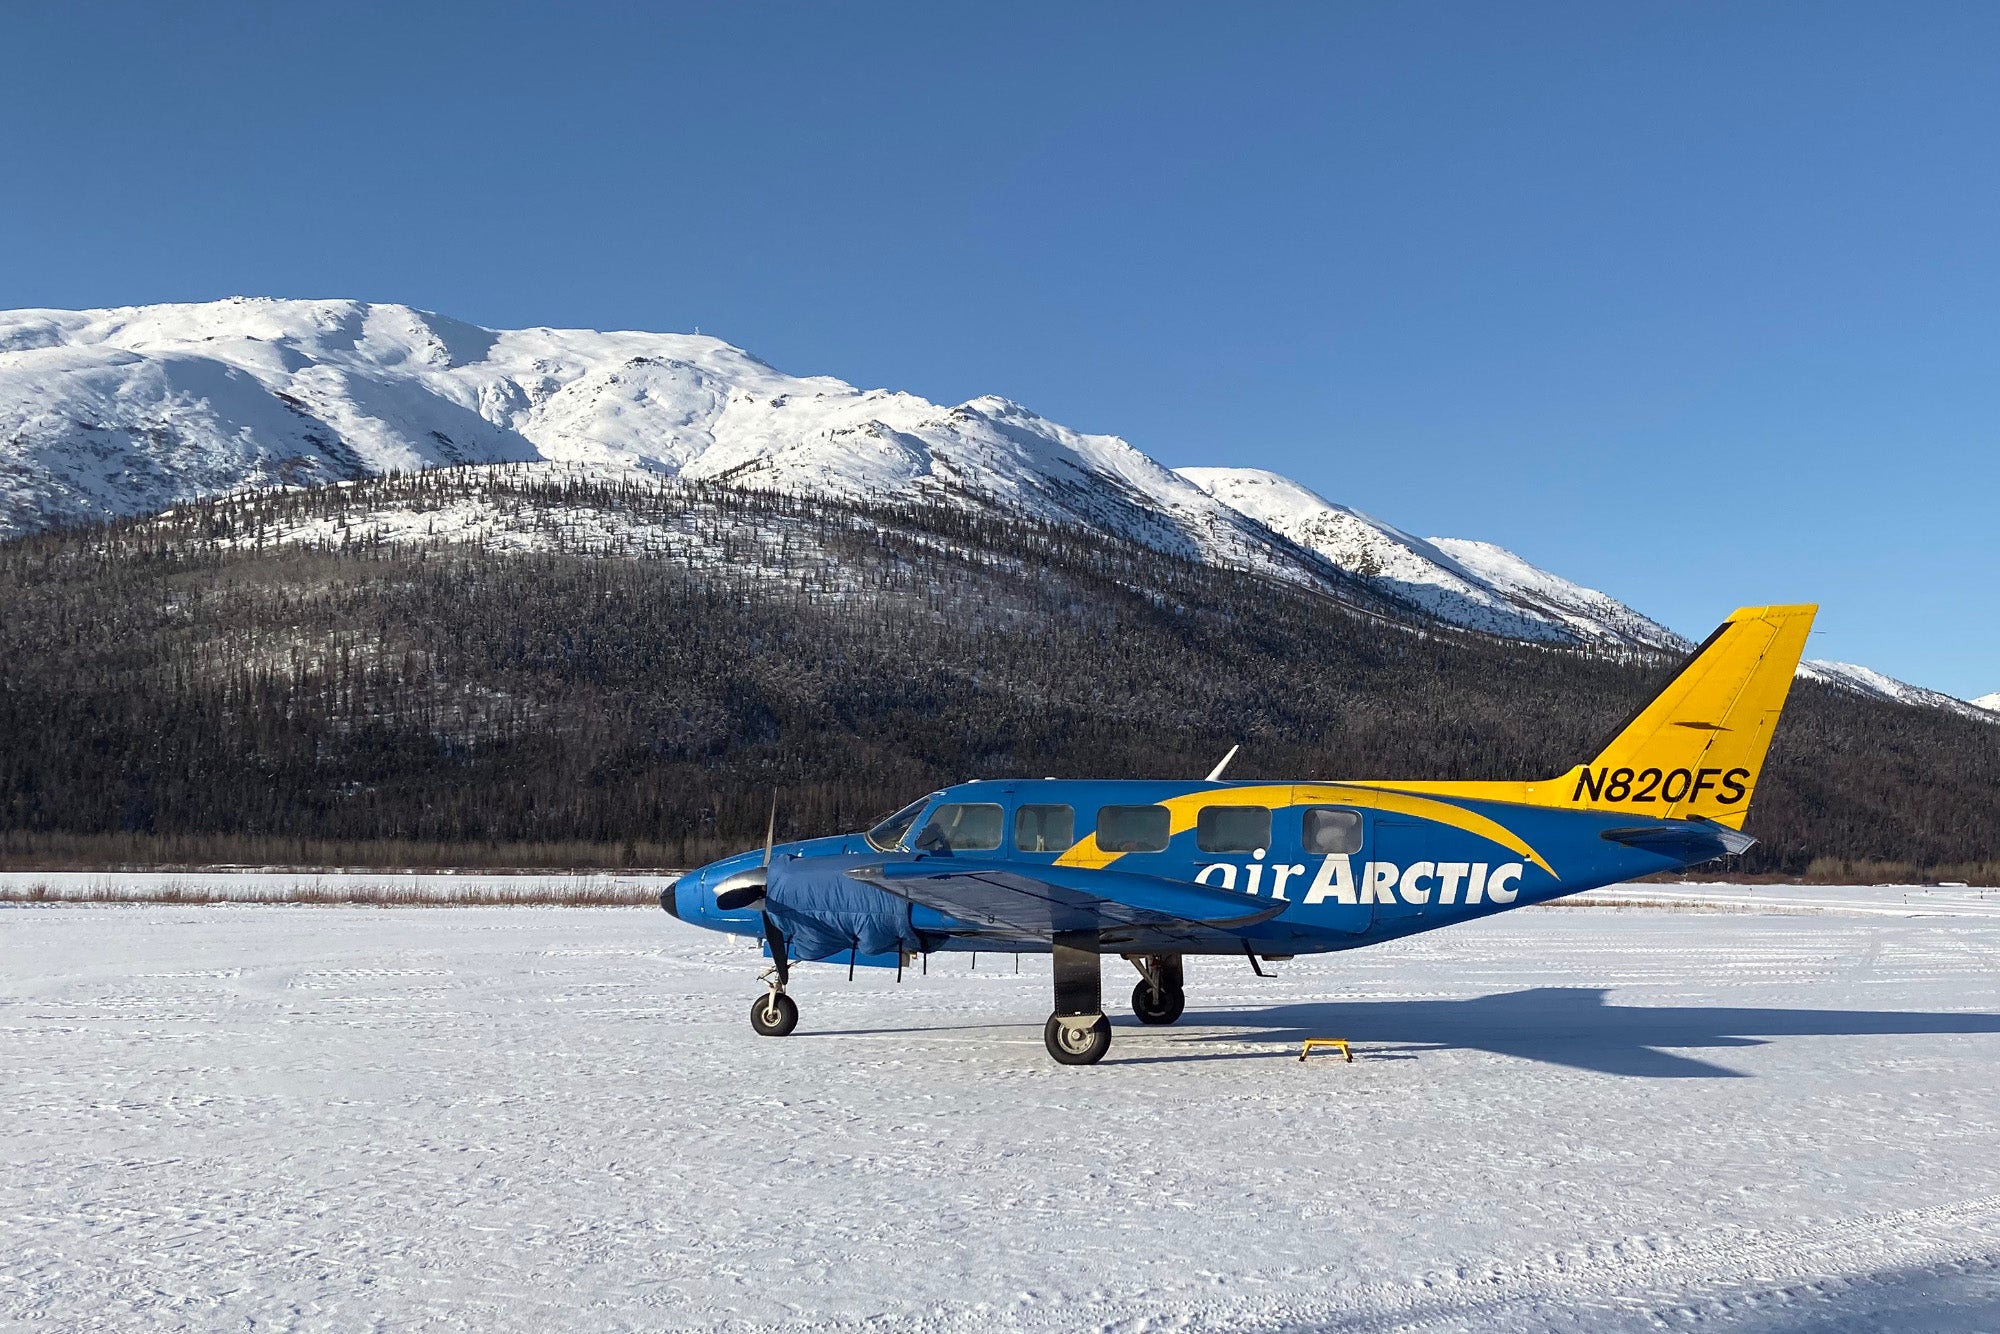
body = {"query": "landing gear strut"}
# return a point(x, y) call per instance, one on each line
point(775, 1014)
point(1078, 1033)
point(1161, 995)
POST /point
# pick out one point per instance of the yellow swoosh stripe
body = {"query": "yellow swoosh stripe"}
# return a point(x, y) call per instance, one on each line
point(1186, 810)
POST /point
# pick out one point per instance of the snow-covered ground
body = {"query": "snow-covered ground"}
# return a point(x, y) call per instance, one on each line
point(257, 1117)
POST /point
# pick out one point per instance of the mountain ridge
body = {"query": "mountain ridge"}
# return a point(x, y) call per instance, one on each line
point(129, 410)
point(539, 656)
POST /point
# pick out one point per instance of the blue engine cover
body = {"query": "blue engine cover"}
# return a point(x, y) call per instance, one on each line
point(824, 912)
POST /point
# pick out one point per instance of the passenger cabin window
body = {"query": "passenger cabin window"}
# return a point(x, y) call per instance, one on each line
point(1133, 828)
point(962, 826)
point(1233, 829)
point(1328, 829)
point(1044, 828)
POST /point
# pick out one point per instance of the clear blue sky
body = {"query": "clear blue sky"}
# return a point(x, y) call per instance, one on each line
point(1699, 304)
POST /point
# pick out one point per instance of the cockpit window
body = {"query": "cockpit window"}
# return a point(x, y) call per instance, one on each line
point(961, 826)
point(888, 835)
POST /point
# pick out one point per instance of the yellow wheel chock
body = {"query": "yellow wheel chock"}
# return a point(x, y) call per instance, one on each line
point(1338, 1044)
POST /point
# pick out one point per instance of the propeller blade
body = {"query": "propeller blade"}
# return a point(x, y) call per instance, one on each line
point(745, 889)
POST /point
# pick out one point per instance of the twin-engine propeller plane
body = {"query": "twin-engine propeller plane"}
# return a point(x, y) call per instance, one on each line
point(1155, 871)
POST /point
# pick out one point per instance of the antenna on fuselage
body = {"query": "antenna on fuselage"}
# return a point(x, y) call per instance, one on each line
point(1215, 774)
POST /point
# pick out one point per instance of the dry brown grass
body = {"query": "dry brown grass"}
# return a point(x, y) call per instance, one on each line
point(22, 850)
point(1842, 871)
point(1668, 905)
point(376, 895)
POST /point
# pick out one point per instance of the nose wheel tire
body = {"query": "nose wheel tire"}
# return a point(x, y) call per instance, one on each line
point(1164, 1010)
point(1077, 1043)
point(774, 1016)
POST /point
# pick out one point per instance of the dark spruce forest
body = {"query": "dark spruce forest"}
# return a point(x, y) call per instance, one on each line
point(190, 689)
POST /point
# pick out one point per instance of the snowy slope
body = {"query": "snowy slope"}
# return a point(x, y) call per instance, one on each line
point(1867, 681)
point(1473, 584)
point(1991, 702)
point(127, 411)
point(1593, 615)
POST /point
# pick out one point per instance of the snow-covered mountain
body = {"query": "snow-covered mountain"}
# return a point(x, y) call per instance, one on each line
point(1487, 587)
point(1473, 584)
point(1867, 681)
point(1990, 702)
point(118, 412)
point(108, 413)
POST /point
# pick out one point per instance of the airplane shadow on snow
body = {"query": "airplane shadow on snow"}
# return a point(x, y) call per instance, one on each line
point(1568, 1026)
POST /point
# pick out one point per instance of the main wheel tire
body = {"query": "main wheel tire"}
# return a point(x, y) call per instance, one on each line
point(1072, 1046)
point(774, 1016)
point(1172, 1001)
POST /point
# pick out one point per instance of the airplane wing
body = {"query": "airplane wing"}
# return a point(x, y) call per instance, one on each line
point(1057, 900)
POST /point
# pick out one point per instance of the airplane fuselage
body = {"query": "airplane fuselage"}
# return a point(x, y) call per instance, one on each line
point(1387, 874)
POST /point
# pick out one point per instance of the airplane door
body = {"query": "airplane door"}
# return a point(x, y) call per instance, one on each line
point(1398, 885)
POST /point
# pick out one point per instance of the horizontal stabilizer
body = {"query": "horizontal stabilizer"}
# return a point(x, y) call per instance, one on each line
point(1689, 842)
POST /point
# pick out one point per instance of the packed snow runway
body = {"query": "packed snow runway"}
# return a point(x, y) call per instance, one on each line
point(504, 1118)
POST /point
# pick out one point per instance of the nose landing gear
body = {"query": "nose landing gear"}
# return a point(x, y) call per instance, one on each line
point(775, 1014)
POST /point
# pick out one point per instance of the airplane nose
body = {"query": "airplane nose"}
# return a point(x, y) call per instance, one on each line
point(667, 899)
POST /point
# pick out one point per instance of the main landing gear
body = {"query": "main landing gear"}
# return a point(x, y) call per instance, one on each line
point(775, 1014)
point(1077, 1040)
point(1161, 995)
point(1078, 1033)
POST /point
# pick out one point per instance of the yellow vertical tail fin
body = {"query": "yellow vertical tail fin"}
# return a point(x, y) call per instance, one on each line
point(1697, 748)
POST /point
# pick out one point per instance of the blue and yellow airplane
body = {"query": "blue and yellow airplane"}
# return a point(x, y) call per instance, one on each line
point(1157, 870)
